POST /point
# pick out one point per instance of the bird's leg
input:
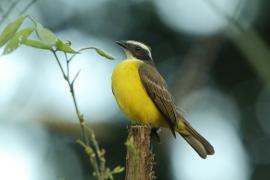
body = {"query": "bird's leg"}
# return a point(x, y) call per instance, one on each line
point(154, 135)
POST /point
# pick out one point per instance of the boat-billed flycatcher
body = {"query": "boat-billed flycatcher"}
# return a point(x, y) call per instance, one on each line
point(143, 96)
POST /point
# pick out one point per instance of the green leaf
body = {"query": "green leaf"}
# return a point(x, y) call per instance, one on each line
point(36, 44)
point(45, 35)
point(17, 40)
point(65, 47)
point(10, 30)
point(118, 169)
point(104, 54)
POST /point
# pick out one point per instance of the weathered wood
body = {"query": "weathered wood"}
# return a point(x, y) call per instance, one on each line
point(139, 159)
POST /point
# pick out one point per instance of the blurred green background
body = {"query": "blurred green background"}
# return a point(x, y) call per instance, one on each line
point(214, 55)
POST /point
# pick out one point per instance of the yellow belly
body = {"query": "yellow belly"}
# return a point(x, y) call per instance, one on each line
point(131, 96)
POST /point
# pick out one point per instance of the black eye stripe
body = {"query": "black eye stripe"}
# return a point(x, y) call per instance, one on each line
point(140, 51)
point(138, 48)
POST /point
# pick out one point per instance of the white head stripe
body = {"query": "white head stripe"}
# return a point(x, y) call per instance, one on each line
point(141, 45)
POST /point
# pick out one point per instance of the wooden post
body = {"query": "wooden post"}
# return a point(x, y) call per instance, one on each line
point(139, 159)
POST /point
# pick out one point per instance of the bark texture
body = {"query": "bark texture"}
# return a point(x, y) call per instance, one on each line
point(139, 159)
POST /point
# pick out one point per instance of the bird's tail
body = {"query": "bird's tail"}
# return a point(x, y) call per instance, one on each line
point(195, 140)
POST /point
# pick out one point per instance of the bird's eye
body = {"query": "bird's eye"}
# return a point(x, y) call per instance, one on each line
point(137, 49)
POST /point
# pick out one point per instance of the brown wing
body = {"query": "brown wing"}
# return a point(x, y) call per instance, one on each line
point(156, 88)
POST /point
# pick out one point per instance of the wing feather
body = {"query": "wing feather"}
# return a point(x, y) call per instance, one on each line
point(156, 88)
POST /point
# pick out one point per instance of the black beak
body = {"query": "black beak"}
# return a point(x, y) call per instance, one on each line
point(123, 44)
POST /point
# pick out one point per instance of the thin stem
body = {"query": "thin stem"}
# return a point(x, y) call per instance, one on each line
point(95, 153)
point(59, 64)
point(80, 50)
point(75, 77)
point(228, 18)
point(92, 157)
point(67, 64)
point(79, 115)
point(66, 76)
point(12, 6)
point(100, 153)
point(28, 6)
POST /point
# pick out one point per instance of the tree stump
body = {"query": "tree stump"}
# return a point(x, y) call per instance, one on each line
point(139, 159)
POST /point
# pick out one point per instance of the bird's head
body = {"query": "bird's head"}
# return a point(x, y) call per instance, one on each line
point(136, 50)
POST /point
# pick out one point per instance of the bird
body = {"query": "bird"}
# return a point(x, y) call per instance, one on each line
point(143, 96)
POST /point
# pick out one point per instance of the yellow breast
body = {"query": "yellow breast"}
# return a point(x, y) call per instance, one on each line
point(131, 95)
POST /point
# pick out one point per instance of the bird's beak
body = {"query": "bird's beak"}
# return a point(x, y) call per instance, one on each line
point(123, 44)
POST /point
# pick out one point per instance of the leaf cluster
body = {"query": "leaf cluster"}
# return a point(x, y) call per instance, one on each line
point(37, 36)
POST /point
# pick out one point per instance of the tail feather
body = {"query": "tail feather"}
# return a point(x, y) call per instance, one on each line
point(196, 141)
